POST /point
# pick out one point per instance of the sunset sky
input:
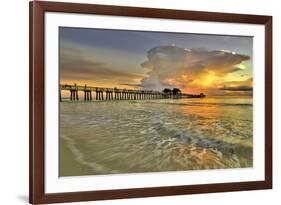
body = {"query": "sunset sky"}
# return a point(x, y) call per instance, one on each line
point(212, 64)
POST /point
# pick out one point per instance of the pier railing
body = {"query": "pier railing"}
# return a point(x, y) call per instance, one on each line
point(116, 93)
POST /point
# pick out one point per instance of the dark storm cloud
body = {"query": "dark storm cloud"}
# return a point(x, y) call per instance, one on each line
point(91, 70)
point(238, 88)
point(81, 63)
point(235, 70)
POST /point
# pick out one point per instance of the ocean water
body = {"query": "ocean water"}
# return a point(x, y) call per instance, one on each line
point(112, 137)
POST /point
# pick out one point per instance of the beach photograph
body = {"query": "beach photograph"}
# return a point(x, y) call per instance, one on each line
point(146, 101)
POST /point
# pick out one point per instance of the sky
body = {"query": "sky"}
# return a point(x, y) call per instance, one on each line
point(194, 63)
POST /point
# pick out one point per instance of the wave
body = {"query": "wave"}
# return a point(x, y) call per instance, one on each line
point(195, 103)
point(194, 139)
point(143, 137)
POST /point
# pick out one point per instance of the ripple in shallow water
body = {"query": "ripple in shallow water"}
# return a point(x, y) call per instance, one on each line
point(153, 136)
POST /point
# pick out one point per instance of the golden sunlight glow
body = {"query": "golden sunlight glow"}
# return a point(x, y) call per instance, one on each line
point(207, 79)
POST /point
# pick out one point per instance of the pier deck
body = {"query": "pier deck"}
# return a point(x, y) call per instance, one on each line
point(118, 94)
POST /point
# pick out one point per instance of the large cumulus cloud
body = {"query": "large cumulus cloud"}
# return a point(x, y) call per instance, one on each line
point(174, 66)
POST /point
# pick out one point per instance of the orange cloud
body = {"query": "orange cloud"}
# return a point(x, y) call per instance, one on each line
point(190, 69)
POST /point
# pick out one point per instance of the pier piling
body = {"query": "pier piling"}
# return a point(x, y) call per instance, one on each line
point(123, 94)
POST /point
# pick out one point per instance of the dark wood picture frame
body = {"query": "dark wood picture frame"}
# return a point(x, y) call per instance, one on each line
point(37, 193)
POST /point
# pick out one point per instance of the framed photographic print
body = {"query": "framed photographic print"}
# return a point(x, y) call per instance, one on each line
point(139, 102)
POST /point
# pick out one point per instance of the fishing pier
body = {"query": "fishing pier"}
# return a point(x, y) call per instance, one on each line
point(98, 93)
